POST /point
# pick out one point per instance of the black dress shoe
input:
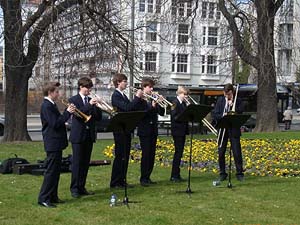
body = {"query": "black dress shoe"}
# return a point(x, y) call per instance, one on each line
point(85, 192)
point(75, 195)
point(240, 178)
point(117, 186)
point(223, 176)
point(176, 179)
point(144, 183)
point(47, 204)
point(151, 181)
point(128, 185)
point(57, 201)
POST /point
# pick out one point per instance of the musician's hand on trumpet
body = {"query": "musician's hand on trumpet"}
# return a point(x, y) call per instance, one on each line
point(139, 93)
point(71, 108)
point(101, 104)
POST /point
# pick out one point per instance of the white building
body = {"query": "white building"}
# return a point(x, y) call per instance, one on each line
point(287, 47)
point(179, 45)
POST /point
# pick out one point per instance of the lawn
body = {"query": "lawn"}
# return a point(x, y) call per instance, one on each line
point(257, 200)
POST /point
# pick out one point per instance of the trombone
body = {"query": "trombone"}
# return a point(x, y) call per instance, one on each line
point(77, 112)
point(189, 100)
point(104, 106)
point(228, 112)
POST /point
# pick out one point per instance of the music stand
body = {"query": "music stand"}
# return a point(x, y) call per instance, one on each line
point(125, 122)
point(229, 122)
point(192, 113)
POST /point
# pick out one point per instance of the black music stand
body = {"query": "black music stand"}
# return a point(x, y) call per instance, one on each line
point(193, 113)
point(229, 122)
point(125, 122)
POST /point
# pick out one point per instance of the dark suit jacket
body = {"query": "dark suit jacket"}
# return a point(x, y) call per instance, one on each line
point(219, 110)
point(79, 129)
point(53, 127)
point(122, 103)
point(178, 128)
point(148, 125)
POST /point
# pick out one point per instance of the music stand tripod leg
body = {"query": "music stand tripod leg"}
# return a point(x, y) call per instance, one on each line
point(188, 190)
point(229, 185)
point(125, 200)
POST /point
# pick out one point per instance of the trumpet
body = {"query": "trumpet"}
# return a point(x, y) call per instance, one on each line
point(104, 106)
point(189, 100)
point(159, 99)
point(162, 99)
point(77, 112)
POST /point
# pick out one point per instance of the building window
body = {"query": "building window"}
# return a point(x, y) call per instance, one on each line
point(202, 63)
point(218, 13)
point(150, 61)
point(183, 33)
point(211, 64)
point(158, 6)
point(181, 9)
point(189, 9)
point(141, 56)
point(182, 63)
point(204, 10)
point(151, 32)
point(173, 62)
point(150, 6)
point(212, 35)
point(204, 36)
point(174, 8)
point(142, 6)
point(211, 10)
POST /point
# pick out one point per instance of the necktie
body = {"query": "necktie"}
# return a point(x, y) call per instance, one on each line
point(85, 100)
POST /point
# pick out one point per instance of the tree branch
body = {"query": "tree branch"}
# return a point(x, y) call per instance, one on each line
point(237, 40)
point(277, 5)
point(47, 19)
point(37, 15)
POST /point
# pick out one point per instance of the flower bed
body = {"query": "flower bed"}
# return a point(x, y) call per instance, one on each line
point(262, 157)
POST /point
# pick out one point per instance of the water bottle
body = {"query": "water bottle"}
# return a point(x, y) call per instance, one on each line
point(113, 200)
point(216, 183)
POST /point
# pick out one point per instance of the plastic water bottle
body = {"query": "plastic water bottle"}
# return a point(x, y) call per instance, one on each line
point(216, 183)
point(113, 200)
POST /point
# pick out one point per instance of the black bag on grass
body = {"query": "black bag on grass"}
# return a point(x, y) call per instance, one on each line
point(7, 165)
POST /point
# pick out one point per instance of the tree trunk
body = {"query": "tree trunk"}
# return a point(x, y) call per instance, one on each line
point(266, 118)
point(16, 72)
point(16, 106)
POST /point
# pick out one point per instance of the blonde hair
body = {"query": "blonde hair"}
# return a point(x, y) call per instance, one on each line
point(182, 89)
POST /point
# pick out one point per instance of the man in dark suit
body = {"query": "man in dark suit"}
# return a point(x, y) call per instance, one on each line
point(223, 106)
point(55, 140)
point(179, 131)
point(122, 104)
point(82, 136)
point(148, 131)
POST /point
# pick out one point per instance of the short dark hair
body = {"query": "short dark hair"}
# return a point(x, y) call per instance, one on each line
point(50, 87)
point(147, 82)
point(85, 82)
point(118, 78)
point(228, 87)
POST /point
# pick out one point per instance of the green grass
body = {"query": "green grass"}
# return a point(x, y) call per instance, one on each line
point(258, 200)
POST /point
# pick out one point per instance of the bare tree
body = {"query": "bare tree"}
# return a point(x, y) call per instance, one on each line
point(262, 59)
point(23, 44)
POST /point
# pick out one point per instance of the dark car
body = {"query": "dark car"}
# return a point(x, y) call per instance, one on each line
point(101, 126)
point(1, 126)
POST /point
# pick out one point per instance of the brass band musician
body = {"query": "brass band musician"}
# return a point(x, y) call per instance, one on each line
point(223, 106)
